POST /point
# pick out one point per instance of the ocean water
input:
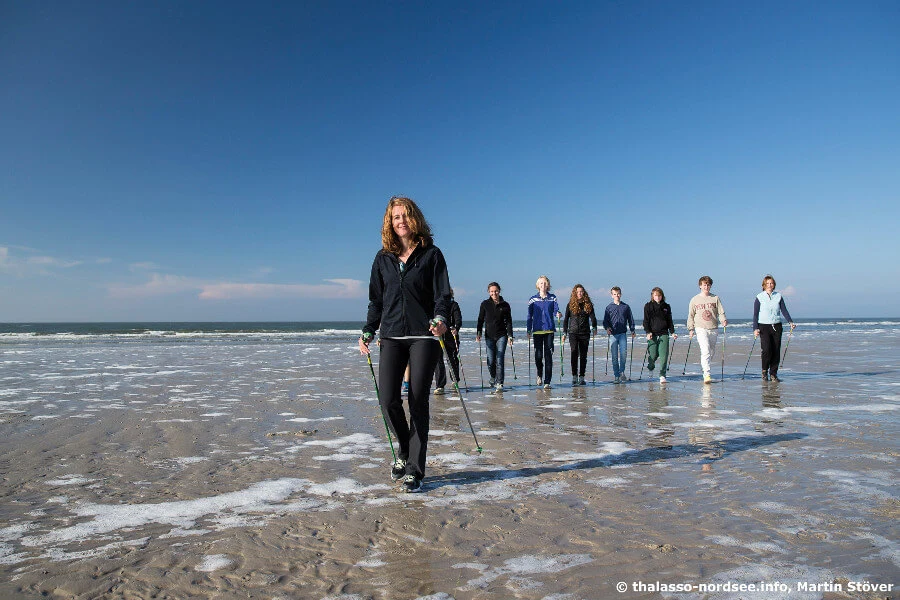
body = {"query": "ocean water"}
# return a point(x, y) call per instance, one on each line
point(217, 450)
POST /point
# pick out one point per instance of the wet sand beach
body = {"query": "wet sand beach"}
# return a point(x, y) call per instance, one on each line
point(257, 467)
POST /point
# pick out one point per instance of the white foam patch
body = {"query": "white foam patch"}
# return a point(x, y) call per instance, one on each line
point(523, 565)
point(608, 449)
point(784, 412)
point(715, 423)
point(70, 480)
point(789, 575)
point(759, 547)
point(214, 562)
point(215, 414)
point(610, 482)
point(308, 420)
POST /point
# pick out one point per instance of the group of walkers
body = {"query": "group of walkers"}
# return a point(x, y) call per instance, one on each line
point(411, 305)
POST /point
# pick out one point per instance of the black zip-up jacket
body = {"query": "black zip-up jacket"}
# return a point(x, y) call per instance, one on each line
point(658, 318)
point(454, 323)
point(403, 304)
point(496, 319)
point(581, 323)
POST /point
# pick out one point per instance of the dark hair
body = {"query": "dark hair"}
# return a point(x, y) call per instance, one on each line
point(492, 284)
point(705, 278)
point(661, 293)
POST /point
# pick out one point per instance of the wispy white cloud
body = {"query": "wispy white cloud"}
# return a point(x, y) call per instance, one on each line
point(21, 266)
point(789, 291)
point(159, 285)
point(143, 266)
point(332, 289)
point(167, 285)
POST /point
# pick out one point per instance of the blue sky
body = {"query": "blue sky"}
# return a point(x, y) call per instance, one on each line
point(232, 161)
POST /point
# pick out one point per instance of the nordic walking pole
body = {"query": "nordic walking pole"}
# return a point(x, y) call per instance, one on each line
point(671, 352)
point(593, 357)
point(749, 355)
point(513, 355)
point(562, 351)
point(378, 396)
point(631, 363)
point(481, 365)
point(458, 393)
point(459, 362)
point(786, 346)
point(528, 335)
point(644, 362)
point(724, 335)
point(607, 354)
point(690, 341)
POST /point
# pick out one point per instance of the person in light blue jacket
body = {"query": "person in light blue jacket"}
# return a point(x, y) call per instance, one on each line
point(542, 308)
point(769, 312)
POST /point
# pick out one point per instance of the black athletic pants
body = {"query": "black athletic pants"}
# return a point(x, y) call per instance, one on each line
point(579, 345)
point(770, 342)
point(440, 372)
point(543, 345)
point(421, 354)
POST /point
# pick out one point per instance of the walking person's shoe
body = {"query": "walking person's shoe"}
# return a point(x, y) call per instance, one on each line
point(581, 380)
point(575, 380)
point(662, 378)
point(539, 382)
point(616, 380)
point(499, 387)
point(398, 470)
point(546, 386)
point(774, 377)
point(412, 484)
point(707, 378)
point(492, 382)
point(765, 375)
point(438, 391)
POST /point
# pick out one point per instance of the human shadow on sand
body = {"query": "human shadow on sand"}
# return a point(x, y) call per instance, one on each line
point(712, 451)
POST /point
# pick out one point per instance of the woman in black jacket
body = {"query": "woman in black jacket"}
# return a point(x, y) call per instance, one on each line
point(495, 316)
point(579, 320)
point(658, 325)
point(409, 300)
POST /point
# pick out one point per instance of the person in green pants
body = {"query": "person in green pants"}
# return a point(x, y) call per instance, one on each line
point(658, 325)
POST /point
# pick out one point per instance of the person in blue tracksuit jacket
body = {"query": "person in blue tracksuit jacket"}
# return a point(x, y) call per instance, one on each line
point(542, 308)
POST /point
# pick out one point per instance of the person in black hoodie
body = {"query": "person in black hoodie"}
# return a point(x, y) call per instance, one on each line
point(495, 316)
point(579, 320)
point(453, 327)
point(658, 325)
point(409, 300)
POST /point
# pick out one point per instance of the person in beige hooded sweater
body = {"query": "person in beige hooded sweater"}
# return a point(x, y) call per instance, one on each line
point(704, 313)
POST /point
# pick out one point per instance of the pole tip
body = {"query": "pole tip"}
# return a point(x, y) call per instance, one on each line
point(480, 449)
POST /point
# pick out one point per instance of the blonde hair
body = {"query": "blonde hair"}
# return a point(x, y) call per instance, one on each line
point(765, 279)
point(421, 231)
point(545, 278)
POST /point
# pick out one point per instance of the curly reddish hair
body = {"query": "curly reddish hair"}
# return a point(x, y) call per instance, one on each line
point(577, 306)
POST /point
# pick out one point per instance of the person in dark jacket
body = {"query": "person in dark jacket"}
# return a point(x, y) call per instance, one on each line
point(658, 325)
point(577, 324)
point(495, 315)
point(409, 300)
point(450, 338)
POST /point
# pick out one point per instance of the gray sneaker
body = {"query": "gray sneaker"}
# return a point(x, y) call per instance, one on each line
point(398, 470)
point(617, 380)
point(412, 484)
